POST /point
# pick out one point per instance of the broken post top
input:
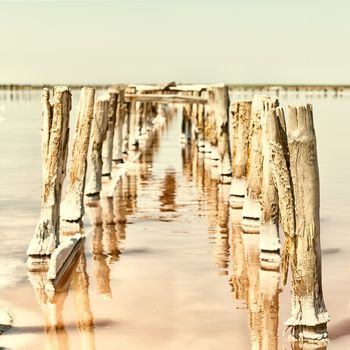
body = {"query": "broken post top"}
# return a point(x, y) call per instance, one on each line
point(300, 122)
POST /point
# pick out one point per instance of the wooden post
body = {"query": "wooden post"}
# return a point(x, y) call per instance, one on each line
point(107, 147)
point(46, 236)
point(221, 112)
point(309, 314)
point(118, 132)
point(135, 114)
point(295, 172)
point(143, 131)
point(99, 126)
point(126, 128)
point(269, 235)
point(240, 120)
point(211, 129)
point(251, 206)
point(201, 118)
point(194, 118)
point(72, 208)
point(134, 110)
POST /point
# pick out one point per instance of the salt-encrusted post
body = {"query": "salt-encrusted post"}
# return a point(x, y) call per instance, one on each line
point(99, 126)
point(221, 102)
point(251, 207)
point(107, 148)
point(240, 119)
point(295, 172)
point(200, 129)
point(309, 314)
point(143, 128)
point(125, 129)
point(72, 208)
point(269, 235)
point(118, 133)
point(55, 145)
point(134, 111)
point(211, 131)
point(194, 118)
point(186, 128)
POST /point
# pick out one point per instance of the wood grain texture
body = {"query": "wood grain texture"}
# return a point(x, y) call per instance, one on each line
point(46, 235)
point(72, 208)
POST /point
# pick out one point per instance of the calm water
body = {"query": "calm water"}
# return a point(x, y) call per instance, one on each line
point(175, 272)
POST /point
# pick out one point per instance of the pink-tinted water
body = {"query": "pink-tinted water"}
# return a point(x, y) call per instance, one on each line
point(178, 274)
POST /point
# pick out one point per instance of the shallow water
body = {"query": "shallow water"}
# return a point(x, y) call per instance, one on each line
point(175, 272)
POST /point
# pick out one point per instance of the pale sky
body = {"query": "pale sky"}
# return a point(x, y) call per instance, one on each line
point(232, 41)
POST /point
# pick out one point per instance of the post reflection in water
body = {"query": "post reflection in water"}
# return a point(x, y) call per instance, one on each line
point(256, 287)
point(239, 279)
point(168, 192)
point(187, 163)
point(52, 303)
point(218, 218)
point(84, 316)
point(100, 267)
point(131, 190)
point(56, 336)
point(119, 210)
point(200, 180)
point(110, 241)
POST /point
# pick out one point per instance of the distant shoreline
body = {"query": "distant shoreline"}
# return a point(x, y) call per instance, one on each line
point(313, 87)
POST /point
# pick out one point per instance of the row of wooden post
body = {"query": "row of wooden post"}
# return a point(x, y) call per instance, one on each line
point(275, 184)
point(108, 132)
point(272, 169)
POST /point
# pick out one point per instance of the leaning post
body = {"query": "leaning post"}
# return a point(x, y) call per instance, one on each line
point(72, 207)
point(55, 145)
point(240, 119)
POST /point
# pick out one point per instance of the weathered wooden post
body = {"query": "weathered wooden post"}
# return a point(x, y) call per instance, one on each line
point(295, 172)
point(200, 130)
point(186, 127)
point(221, 102)
point(72, 207)
point(98, 133)
point(126, 128)
point(269, 234)
point(107, 147)
point(251, 207)
point(194, 118)
point(134, 111)
point(54, 152)
point(240, 120)
point(143, 131)
point(211, 130)
point(118, 132)
point(309, 314)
